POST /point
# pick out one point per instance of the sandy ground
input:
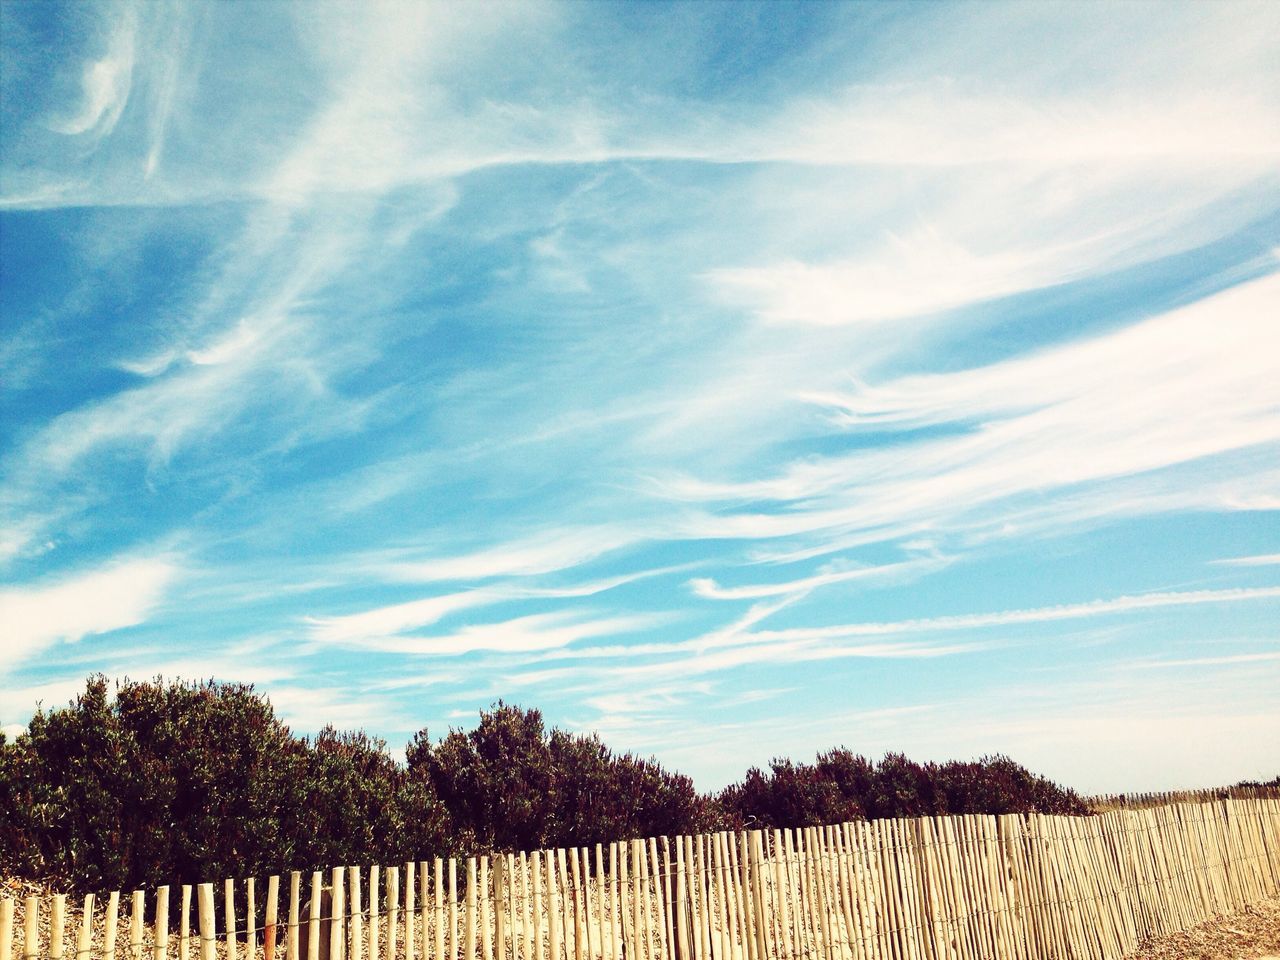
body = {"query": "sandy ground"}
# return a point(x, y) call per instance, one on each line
point(1251, 935)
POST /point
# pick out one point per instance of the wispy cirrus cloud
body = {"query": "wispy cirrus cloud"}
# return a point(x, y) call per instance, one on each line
point(1024, 419)
point(106, 83)
point(122, 593)
point(1257, 560)
point(448, 343)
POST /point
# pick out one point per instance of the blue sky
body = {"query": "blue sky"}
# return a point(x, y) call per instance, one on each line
point(735, 381)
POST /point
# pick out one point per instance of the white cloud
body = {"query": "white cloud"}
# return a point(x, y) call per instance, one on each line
point(554, 550)
point(534, 632)
point(1002, 618)
point(1257, 560)
point(385, 621)
point(106, 84)
point(1223, 661)
point(1182, 386)
point(117, 595)
point(704, 587)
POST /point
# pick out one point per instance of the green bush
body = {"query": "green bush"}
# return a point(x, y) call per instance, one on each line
point(189, 782)
point(509, 784)
point(842, 786)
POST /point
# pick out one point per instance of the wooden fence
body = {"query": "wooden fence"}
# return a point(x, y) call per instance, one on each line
point(935, 888)
point(1115, 801)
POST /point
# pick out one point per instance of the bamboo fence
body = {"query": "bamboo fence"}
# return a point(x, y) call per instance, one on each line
point(1114, 801)
point(933, 888)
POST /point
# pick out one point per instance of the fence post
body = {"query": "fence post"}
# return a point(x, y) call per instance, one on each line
point(486, 938)
point(6, 928)
point(439, 908)
point(270, 917)
point(454, 952)
point(160, 949)
point(424, 910)
point(31, 929)
point(184, 924)
point(410, 941)
point(293, 934)
point(84, 944)
point(337, 912)
point(137, 911)
point(375, 928)
point(499, 906)
point(208, 945)
point(393, 910)
point(313, 917)
point(229, 901)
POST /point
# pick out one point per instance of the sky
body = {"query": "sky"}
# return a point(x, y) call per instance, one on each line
point(734, 381)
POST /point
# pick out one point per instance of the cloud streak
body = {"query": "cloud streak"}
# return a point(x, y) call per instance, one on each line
point(120, 594)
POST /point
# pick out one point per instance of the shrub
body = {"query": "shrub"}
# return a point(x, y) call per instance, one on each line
point(842, 786)
point(789, 795)
point(509, 784)
point(187, 782)
point(165, 783)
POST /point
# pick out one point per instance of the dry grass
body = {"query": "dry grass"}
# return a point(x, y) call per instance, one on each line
point(1253, 934)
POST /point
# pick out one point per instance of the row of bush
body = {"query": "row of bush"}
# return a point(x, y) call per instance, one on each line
point(176, 782)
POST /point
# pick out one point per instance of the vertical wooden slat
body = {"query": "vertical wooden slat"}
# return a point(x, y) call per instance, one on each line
point(57, 926)
point(205, 921)
point(313, 916)
point(752, 892)
point(292, 934)
point(625, 946)
point(160, 949)
point(525, 896)
point(589, 915)
point(110, 932)
point(682, 908)
point(229, 917)
point(454, 952)
point(703, 877)
point(723, 897)
point(661, 898)
point(250, 919)
point(424, 910)
point(535, 876)
point(137, 913)
point(410, 940)
point(184, 925)
point(337, 911)
point(393, 910)
point(500, 907)
point(576, 891)
point(270, 917)
point(644, 929)
point(84, 942)
point(602, 888)
point(438, 904)
point(31, 928)
point(6, 928)
point(355, 910)
point(615, 904)
point(628, 905)
point(564, 892)
point(375, 916)
point(486, 934)
point(554, 914)
point(526, 930)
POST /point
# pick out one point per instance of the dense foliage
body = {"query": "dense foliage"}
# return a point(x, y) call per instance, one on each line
point(841, 786)
point(173, 782)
